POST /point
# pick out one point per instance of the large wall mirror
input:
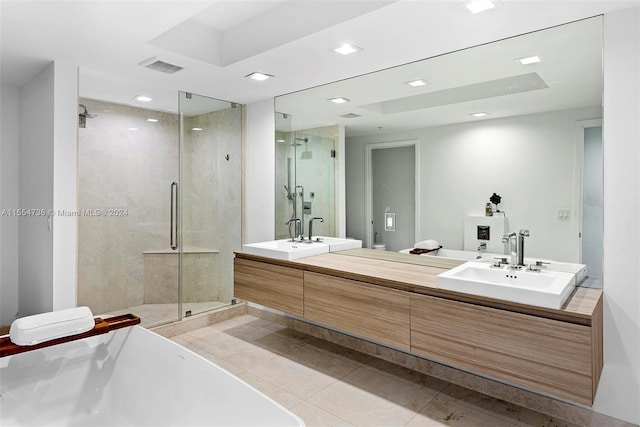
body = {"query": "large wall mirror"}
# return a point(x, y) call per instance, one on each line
point(427, 144)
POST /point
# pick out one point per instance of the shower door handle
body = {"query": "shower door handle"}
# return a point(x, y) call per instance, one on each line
point(174, 216)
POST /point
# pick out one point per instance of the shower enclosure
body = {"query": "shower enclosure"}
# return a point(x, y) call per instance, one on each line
point(305, 178)
point(159, 198)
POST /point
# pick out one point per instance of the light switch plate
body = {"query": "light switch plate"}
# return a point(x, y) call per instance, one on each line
point(389, 221)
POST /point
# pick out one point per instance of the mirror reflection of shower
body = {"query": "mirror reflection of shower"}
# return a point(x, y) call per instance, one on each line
point(305, 170)
point(298, 191)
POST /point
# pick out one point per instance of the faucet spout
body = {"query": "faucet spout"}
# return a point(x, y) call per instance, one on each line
point(296, 229)
point(311, 226)
point(516, 247)
point(520, 248)
point(513, 247)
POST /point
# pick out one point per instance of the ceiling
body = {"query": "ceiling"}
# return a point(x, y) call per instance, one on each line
point(219, 42)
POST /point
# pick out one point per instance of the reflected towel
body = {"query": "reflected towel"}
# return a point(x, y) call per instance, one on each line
point(419, 251)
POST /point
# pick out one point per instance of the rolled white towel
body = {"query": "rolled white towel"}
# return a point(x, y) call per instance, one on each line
point(32, 330)
point(427, 244)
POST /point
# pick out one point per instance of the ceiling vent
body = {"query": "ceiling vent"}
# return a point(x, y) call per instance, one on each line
point(350, 116)
point(155, 64)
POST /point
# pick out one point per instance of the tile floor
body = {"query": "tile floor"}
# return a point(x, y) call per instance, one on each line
point(329, 385)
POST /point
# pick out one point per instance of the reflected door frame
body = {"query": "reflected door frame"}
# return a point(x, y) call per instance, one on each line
point(368, 192)
point(581, 126)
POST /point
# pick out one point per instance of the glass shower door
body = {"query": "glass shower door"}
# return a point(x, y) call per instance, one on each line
point(209, 201)
point(127, 160)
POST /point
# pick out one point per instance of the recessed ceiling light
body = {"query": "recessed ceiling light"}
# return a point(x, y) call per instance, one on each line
point(417, 83)
point(197, 129)
point(530, 60)
point(152, 120)
point(478, 6)
point(259, 76)
point(479, 114)
point(143, 98)
point(133, 129)
point(280, 140)
point(339, 100)
point(347, 49)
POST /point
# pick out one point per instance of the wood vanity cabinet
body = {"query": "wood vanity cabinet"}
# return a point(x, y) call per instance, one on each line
point(270, 285)
point(558, 352)
point(541, 354)
point(374, 312)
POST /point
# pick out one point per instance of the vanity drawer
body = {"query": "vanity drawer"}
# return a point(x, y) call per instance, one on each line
point(270, 285)
point(374, 312)
point(541, 354)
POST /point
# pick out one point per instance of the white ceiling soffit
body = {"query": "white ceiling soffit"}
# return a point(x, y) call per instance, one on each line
point(254, 27)
point(489, 89)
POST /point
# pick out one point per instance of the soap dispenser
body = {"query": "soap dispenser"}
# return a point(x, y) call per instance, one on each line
point(488, 210)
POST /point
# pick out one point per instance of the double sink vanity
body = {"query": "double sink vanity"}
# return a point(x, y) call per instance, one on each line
point(533, 329)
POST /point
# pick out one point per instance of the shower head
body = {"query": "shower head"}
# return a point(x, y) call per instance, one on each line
point(85, 113)
point(302, 139)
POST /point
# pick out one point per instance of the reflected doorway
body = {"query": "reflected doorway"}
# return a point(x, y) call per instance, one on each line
point(592, 202)
point(392, 195)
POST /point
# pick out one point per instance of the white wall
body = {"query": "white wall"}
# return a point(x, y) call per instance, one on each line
point(618, 393)
point(36, 192)
point(65, 178)
point(47, 180)
point(260, 172)
point(529, 160)
point(9, 153)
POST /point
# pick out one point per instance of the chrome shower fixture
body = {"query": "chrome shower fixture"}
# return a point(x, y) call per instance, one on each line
point(84, 115)
point(86, 112)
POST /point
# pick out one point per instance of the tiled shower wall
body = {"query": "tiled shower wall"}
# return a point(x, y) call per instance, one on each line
point(130, 170)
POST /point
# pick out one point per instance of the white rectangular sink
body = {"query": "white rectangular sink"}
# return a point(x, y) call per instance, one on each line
point(543, 289)
point(338, 244)
point(285, 249)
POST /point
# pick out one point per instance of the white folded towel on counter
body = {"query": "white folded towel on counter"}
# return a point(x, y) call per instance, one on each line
point(427, 244)
point(32, 330)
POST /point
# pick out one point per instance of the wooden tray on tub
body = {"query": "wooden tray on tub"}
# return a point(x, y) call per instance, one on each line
point(7, 348)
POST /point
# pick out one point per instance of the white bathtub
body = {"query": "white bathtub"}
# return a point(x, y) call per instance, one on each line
point(459, 254)
point(128, 377)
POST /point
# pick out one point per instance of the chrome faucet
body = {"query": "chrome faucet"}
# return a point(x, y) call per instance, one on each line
point(513, 248)
point(520, 248)
point(481, 247)
point(296, 233)
point(301, 233)
point(516, 247)
point(311, 225)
